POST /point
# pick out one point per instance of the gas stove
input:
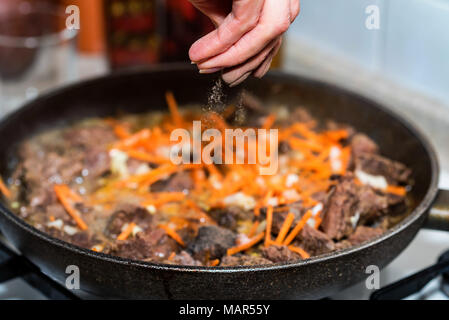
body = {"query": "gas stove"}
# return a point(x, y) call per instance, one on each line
point(425, 251)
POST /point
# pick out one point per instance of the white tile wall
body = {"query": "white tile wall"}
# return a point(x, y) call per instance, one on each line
point(412, 45)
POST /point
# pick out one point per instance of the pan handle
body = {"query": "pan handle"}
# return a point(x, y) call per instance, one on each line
point(438, 218)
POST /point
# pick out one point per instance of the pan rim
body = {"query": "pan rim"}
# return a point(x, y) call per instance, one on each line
point(280, 76)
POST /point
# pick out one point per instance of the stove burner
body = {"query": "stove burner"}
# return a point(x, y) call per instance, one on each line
point(445, 276)
point(416, 282)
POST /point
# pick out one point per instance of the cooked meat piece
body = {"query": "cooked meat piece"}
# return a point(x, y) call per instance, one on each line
point(152, 244)
point(363, 234)
point(211, 243)
point(361, 143)
point(177, 182)
point(187, 234)
point(97, 161)
point(93, 140)
point(243, 260)
point(183, 258)
point(252, 102)
point(339, 209)
point(127, 213)
point(341, 245)
point(229, 216)
point(279, 254)
point(314, 241)
point(81, 239)
point(371, 206)
point(332, 125)
point(88, 136)
point(395, 172)
point(301, 114)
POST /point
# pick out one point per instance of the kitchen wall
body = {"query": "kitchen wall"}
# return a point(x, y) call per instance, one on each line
point(411, 45)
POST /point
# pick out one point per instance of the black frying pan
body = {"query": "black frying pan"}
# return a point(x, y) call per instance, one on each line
point(108, 276)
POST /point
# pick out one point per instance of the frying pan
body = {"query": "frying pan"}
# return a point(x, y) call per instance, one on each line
point(143, 90)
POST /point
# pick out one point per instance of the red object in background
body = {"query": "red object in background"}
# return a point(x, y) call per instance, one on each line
point(141, 32)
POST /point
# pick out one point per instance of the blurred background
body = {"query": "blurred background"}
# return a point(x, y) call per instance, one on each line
point(402, 62)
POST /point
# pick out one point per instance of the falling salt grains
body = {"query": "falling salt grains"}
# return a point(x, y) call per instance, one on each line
point(215, 101)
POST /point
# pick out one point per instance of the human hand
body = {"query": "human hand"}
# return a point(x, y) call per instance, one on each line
point(248, 36)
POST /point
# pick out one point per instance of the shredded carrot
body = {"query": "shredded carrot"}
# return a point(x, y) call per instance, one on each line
point(299, 226)
point(247, 245)
point(396, 190)
point(253, 229)
point(4, 189)
point(285, 228)
point(63, 197)
point(143, 156)
point(121, 132)
point(268, 228)
point(214, 263)
point(269, 121)
point(173, 106)
point(133, 139)
point(161, 198)
point(300, 251)
point(318, 221)
point(172, 234)
point(171, 256)
point(127, 232)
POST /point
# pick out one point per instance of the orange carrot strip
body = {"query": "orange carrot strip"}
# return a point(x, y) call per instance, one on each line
point(121, 132)
point(297, 228)
point(214, 263)
point(297, 143)
point(163, 198)
point(285, 227)
point(171, 256)
point(173, 106)
point(247, 245)
point(172, 234)
point(133, 139)
point(61, 195)
point(269, 223)
point(300, 251)
point(143, 156)
point(4, 189)
point(253, 229)
point(399, 191)
point(69, 193)
point(269, 121)
point(127, 232)
point(318, 221)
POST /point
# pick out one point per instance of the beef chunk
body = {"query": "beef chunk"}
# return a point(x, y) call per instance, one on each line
point(361, 143)
point(243, 260)
point(314, 241)
point(177, 182)
point(184, 258)
point(211, 243)
point(229, 216)
point(339, 209)
point(279, 254)
point(363, 234)
point(93, 141)
point(126, 214)
point(88, 136)
point(153, 245)
point(371, 206)
point(395, 172)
